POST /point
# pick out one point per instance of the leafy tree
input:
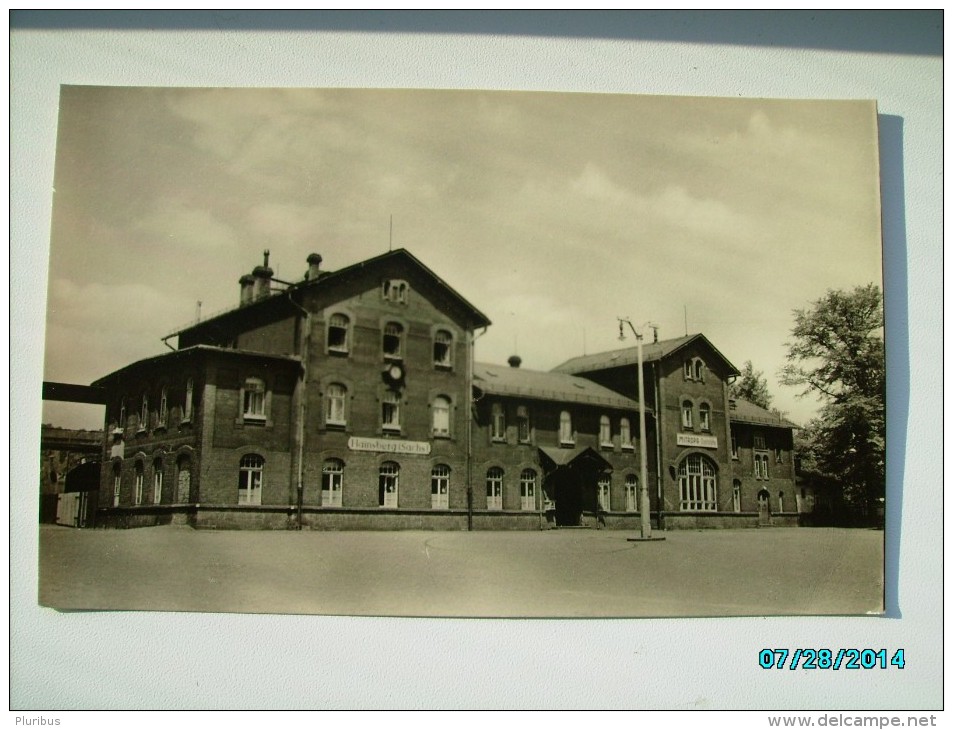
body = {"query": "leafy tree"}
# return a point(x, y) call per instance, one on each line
point(752, 386)
point(837, 354)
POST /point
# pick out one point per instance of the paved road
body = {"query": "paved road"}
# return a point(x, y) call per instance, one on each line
point(559, 573)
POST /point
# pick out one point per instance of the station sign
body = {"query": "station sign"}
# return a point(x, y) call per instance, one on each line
point(388, 446)
point(694, 439)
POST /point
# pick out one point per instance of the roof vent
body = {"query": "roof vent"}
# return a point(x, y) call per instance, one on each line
point(515, 361)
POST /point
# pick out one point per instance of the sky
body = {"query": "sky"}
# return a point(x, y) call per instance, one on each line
point(553, 214)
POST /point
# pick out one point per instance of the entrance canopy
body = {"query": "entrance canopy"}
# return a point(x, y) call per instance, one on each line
point(580, 456)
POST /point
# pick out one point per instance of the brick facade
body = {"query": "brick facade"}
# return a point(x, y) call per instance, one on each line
point(350, 400)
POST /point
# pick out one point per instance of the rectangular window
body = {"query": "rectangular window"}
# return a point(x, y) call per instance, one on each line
point(187, 408)
point(603, 494)
point(442, 343)
point(605, 432)
point(139, 484)
point(254, 399)
point(625, 434)
point(336, 402)
point(498, 423)
point(441, 416)
point(163, 407)
point(528, 490)
point(117, 483)
point(759, 441)
point(522, 424)
point(157, 487)
point(391, 342)
point(687, 410)
point(144, 413)
point(337, 333)
point(494, 489)
point(390, 411)
point(734, 444)
point(778, 456)
point(440, 487)
point(332, 479)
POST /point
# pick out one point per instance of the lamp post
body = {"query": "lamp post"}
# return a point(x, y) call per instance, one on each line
point(644, 515)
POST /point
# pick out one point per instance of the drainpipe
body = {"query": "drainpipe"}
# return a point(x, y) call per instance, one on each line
point(658, 445)
point(471, 338)
point(302, 408)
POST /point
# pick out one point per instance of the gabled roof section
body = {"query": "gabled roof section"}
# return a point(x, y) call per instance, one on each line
point(327, 278)
point(742, 411)
point(651, 352)
point(566, 457)
point(189, 352)
point(558, 387)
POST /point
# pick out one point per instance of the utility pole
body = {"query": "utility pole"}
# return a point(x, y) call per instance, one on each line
point(645, 517)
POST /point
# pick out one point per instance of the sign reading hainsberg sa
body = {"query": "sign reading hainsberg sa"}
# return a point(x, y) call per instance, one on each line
point(356, 443)
point(691, 439)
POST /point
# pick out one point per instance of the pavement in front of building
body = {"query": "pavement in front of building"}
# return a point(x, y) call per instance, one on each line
point(556, 573)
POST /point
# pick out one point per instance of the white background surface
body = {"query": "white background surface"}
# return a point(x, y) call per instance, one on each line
point(148, 660)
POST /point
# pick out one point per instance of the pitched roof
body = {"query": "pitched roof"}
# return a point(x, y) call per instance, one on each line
point(651, 352)
point(561, 387)
point(329, 277)
point(194, 350)
point(743, 411)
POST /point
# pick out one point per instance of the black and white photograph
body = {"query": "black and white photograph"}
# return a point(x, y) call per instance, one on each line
point(476, 360)
point(460, 353)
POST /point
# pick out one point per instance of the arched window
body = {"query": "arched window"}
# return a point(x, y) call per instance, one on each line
point(388, 483)
point(254, 399)
point(699, 369)
point(528, 489)
point(390, 411)
point(736, 495)
point(250, 477)
point(393, 334)
point(698, 485)
point(122, 415)
point(332, 482)
point(338, 326)
point(157, 477)
point(494, 488)
point(497, 423)
point(522, 424)
point(565, 429)
point(602, 492)
point(441, 416)
point(625, 433)
point(442, 349)
point(117, 483)
point(631, 493)
point(704, 417)
point(335, 412)
point(440, 487)
point(140, 476)
point(687, 409)
point(605, 432)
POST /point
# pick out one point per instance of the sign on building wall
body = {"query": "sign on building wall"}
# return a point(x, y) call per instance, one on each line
point(692, 439)
point(356, 443)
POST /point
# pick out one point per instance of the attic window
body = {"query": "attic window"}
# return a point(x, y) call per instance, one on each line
point(695, 369)
point(394, 290)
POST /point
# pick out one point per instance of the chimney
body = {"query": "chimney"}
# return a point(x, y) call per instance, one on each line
point(262, 276)
point(247, 283)
point(314, 266)
point(515, 361)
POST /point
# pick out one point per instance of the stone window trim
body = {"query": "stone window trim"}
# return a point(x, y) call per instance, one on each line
point(625, 434)
point(251, 410)
point(393, 343)
point(566, 436)
point(495, 481)
point(396, 291)
point(704, 416)
point(444, 340)
point(498, 422)
point(333, 344)
point(390, 402)
point(524, 425)
point(436, 430)
point(188, 400)
point(605, 433)
point(332, 482)
point(694, 369)
point(686, 407)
